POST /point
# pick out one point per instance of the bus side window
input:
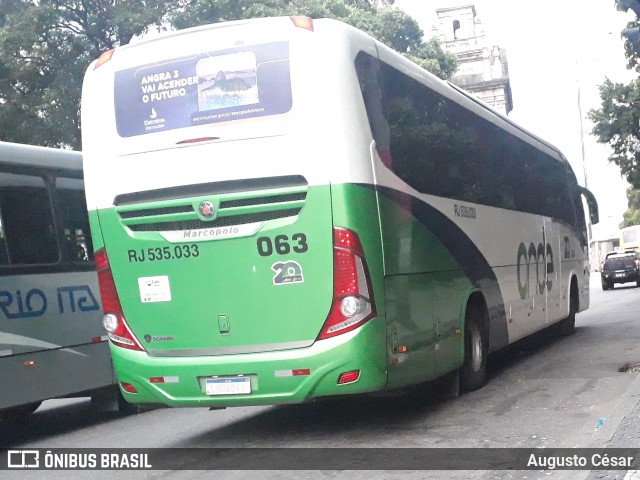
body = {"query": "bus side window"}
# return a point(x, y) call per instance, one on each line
point(28, 226)
point(4, 248)
point(581, 224)
point(77, 245)
point(367, 69)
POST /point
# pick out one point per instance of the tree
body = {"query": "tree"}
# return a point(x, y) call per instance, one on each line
point(46, 45)
point(617, 121)
point(632, 215)
point(632, 32)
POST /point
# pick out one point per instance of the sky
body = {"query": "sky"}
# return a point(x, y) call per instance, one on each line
point(558, 51)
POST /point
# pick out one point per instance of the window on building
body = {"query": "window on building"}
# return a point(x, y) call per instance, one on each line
point(456, 28)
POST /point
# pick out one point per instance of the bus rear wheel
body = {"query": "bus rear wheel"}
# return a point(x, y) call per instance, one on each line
point(473, 373)
point(568, 325)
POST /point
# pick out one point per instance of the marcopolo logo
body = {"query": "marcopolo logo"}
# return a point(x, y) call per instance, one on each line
point(207, 209)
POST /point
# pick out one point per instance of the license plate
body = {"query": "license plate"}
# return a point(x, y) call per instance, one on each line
point(228, 386)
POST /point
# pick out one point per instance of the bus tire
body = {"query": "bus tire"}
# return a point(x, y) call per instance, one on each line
point(19, 412)
point(473, 373)
point(126, 408)
point(568, 325)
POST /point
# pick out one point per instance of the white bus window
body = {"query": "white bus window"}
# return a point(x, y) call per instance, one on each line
point(27, 220)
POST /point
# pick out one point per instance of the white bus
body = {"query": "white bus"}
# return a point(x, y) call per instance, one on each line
point(52, 343)
point(285, 209)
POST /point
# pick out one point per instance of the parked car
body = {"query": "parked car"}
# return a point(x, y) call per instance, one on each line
point(620, 268)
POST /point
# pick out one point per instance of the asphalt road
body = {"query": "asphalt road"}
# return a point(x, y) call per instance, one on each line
point(546, 391)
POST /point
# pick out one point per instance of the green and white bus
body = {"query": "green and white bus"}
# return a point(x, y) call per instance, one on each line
point(52, 342)
point(285, 209)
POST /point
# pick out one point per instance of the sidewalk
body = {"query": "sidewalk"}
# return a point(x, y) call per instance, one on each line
point(621, 430)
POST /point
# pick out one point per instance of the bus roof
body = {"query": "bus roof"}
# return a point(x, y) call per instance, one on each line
point(16, 156)
point(505, 118)
point(328, 27)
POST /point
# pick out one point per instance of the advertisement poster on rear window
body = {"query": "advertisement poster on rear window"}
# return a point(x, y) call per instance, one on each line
point(210, 87)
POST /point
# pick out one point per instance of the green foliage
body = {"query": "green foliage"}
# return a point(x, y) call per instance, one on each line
point(633, 57)
point(633, 195)
point(46, 45)
point(617, 122)
point(632, 215)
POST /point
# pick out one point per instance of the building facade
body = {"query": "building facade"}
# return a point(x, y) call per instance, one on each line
point(482, 66)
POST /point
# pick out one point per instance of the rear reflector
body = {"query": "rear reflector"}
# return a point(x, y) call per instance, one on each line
point(171, 379)
point(127, 387)
point(349, 377)
point(298, 372)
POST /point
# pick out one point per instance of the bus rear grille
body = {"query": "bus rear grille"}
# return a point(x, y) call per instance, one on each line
point(152, 212)
point(220, 222)
point(177, 208)
point(247, 202)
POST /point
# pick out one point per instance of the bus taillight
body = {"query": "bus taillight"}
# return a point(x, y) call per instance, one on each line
point(113, 320)
point(352, 303)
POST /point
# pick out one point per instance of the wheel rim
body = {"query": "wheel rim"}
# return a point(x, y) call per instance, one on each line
point(475, 348)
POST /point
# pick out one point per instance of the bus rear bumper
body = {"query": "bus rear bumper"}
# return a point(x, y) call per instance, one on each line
point(280, 377)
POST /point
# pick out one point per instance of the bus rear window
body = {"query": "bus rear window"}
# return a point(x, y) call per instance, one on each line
point(210, 87)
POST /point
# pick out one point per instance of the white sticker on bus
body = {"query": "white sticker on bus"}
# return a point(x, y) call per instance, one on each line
point(154, 289)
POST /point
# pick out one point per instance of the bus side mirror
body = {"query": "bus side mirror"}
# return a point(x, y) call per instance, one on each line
point(592, 203)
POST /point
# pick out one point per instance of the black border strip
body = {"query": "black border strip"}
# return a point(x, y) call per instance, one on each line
point(473, 263)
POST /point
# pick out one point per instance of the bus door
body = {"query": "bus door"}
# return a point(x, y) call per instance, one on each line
point(553, 277)
point(532, 277)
